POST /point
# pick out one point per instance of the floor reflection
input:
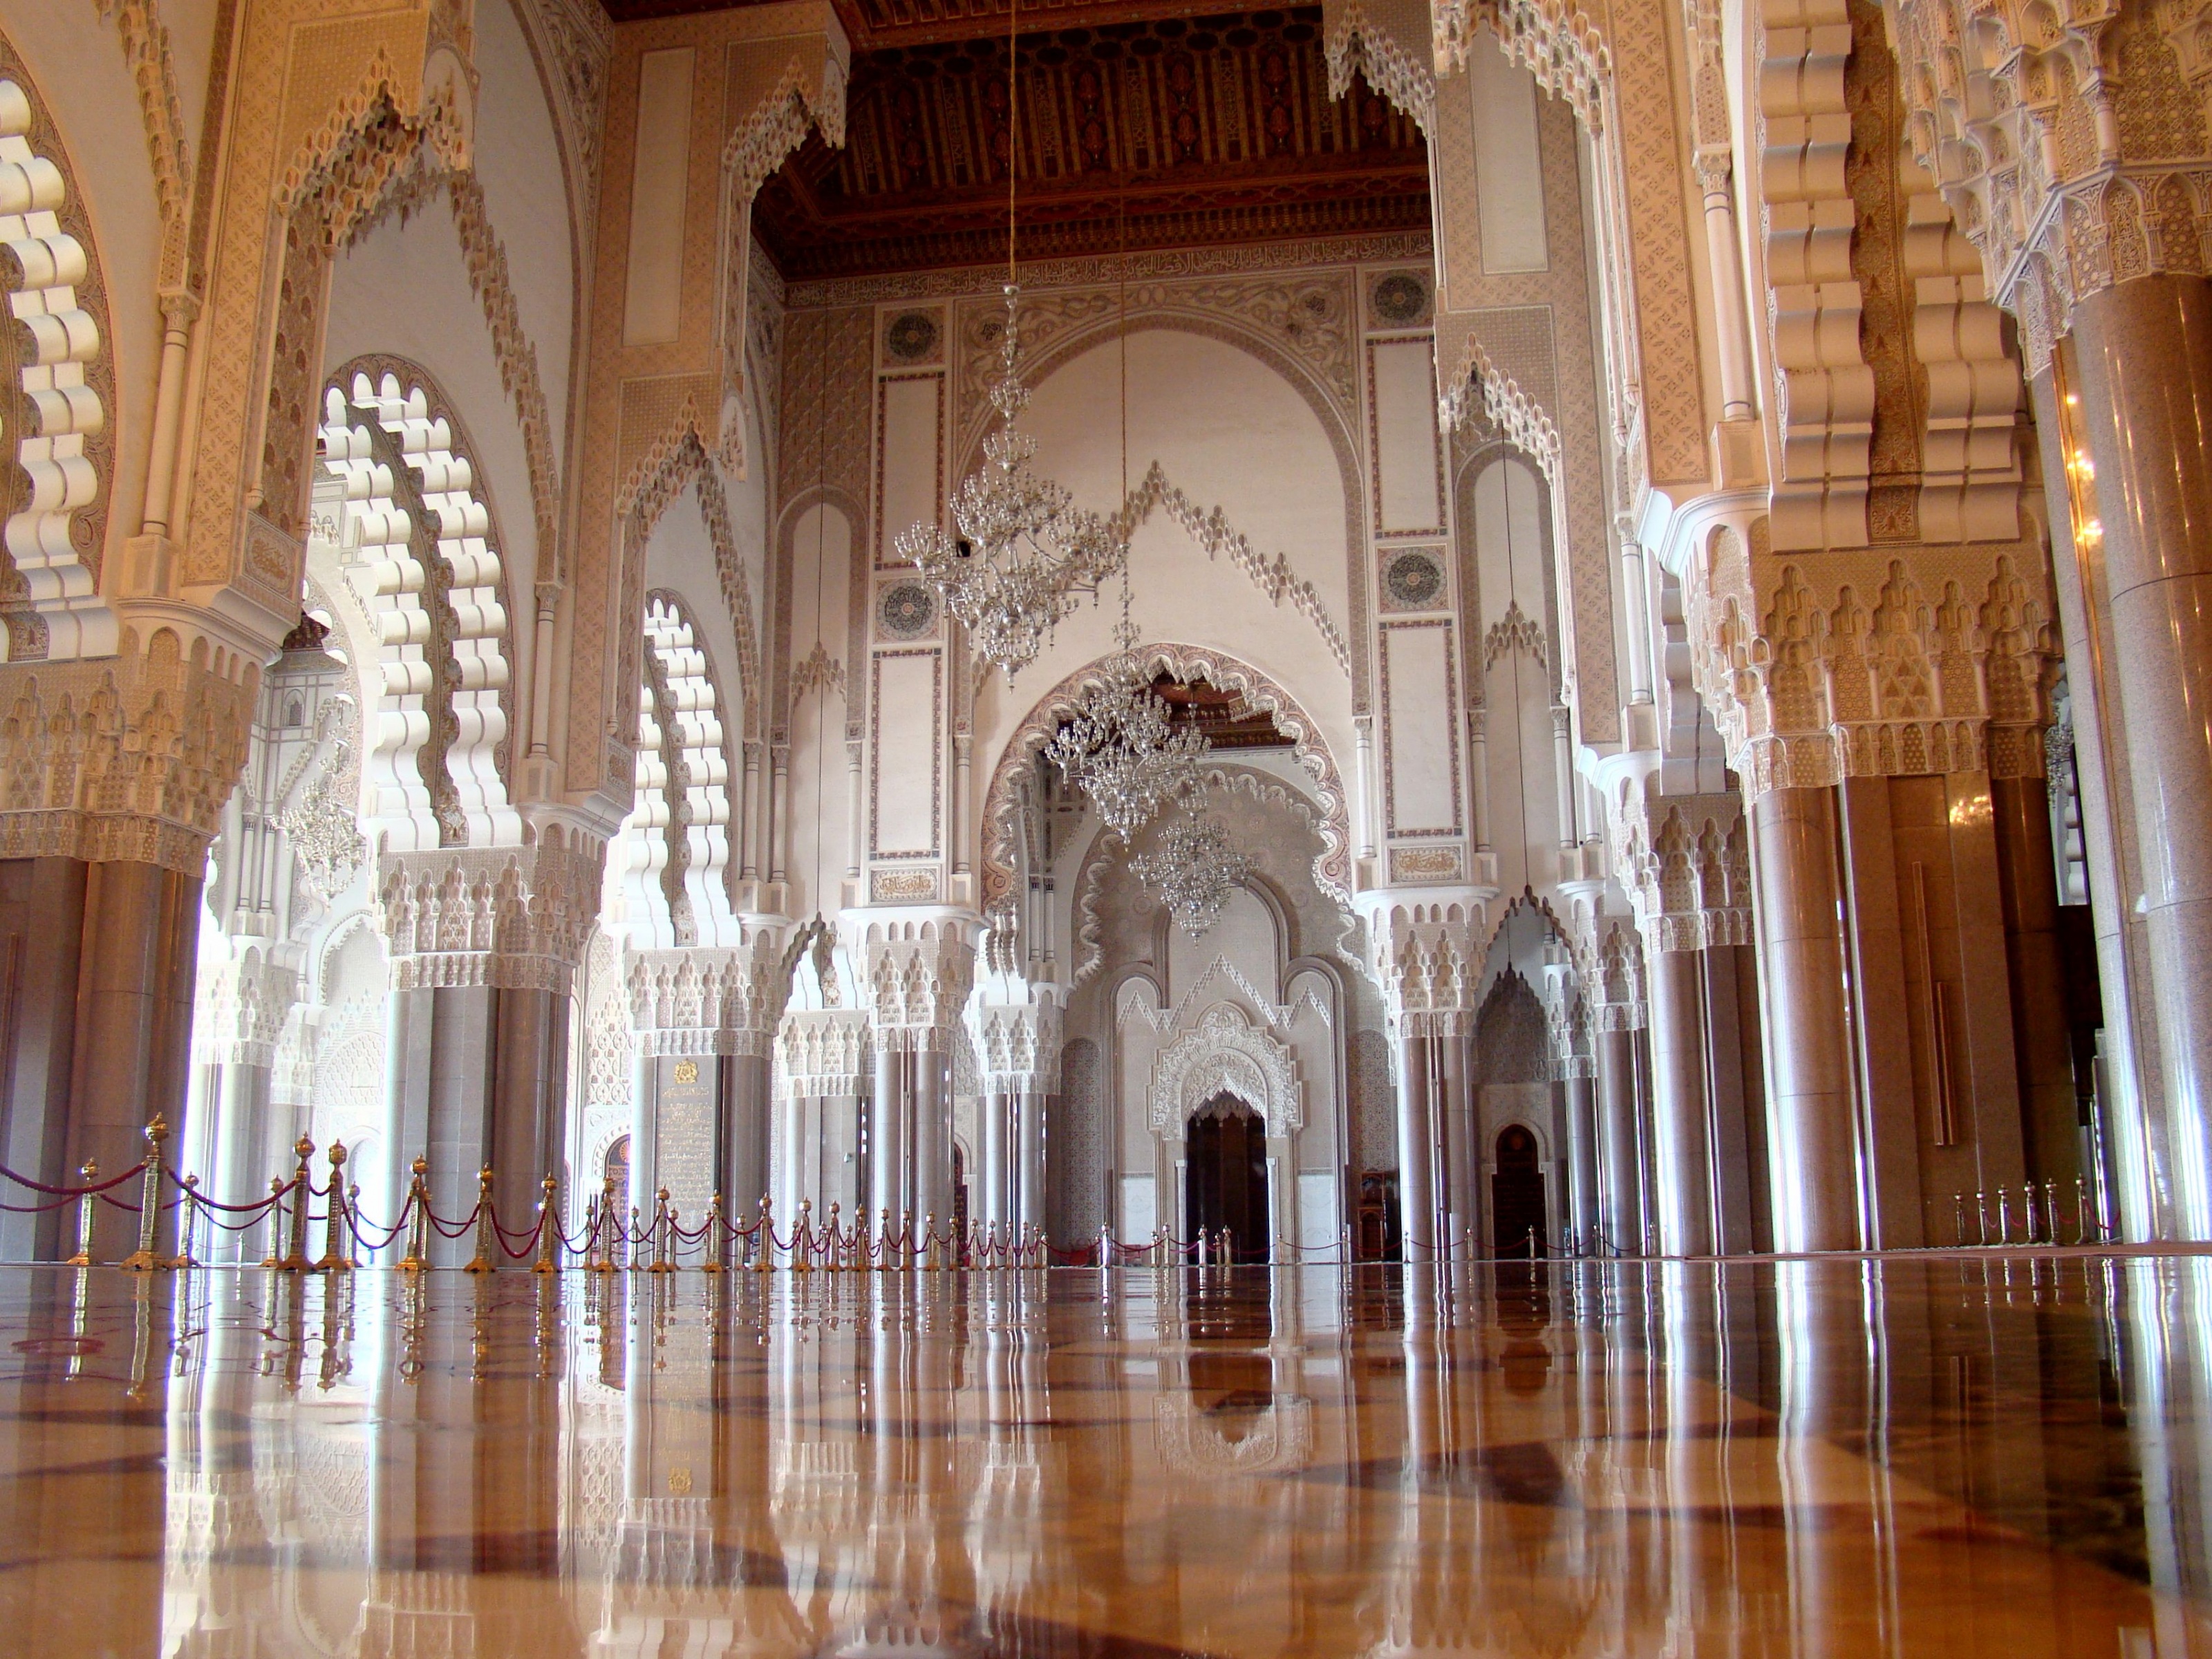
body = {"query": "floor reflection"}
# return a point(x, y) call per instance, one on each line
point(1923, 1457)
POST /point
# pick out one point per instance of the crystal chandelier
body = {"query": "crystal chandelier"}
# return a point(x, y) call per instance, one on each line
point(1025, 553)
point(1122, 751)
point(1194, 869)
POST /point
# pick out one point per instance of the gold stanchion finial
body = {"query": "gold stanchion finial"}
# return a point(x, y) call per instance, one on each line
point(335, 1258)
point(486, 1258)
point(418, 1218)
point(87, 1209)
point(548, 1228)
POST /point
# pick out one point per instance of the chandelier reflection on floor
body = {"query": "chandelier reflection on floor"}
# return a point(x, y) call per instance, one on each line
point(1024, 553)
point(1194, 869)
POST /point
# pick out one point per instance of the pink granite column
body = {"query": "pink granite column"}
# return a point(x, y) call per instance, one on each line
point(2144, 351)
point(1682, 1152)
point(1812, 1163)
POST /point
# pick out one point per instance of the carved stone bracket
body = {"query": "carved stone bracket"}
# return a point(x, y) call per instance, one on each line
point(724, 1001)
point(2072, 146)
point(1882, 663)
point(1685, 862)
point(1015, 1031)
point(822, 1052)
point(129, 758)
point(916, 969)
point(514, 917)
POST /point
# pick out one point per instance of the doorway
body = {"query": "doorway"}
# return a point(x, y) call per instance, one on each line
point(1225, 1176)
point(1517, 1193)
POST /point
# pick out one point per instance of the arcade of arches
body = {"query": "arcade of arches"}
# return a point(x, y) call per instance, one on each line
point(1684, 527)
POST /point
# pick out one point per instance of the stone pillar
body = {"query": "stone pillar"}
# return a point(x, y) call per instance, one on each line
point(823, 1054)
point(1418, 1205)
point(1621, 1160)
point(891, 1109)
point(1580, 1089)
point(2144, 351)
point(478, 1038)
point(1814, 1168)
point(1681, 1145)
point(98, 956)
point(918, 965)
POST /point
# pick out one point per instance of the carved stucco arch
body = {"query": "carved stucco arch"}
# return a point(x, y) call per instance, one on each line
point(1225, 1054)
point(1466, 473)
point(857, 577)
point(467, 693)
point(680, 461)
point(1001, 803)
point(1339, 425)
point(58, 411)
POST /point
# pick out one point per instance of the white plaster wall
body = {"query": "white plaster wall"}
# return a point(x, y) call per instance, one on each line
point(820, 841)
point(77, 63)
point(403, 290)
point(1232, 433)
point(681, 556)
point(517, 162)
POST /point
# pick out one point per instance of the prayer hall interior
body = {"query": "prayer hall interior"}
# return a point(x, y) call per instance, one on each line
point(1056, 829)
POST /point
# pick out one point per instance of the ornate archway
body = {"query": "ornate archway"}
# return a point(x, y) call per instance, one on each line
point(1332, 867)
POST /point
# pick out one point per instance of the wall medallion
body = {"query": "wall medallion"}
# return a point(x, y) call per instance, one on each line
point(912, 336)
point(907, 610)
point(1413, 581)
point(1398, 300)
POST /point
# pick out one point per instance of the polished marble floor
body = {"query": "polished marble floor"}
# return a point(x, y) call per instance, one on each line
point(1936, 1456)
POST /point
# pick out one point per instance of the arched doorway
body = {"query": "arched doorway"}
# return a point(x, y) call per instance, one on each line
point(1517, 1193)
point(616, 1168)
point(1225, 1176)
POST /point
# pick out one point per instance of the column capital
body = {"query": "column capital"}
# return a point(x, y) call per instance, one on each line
point(2072, 147)
point(126, 759)
point(718, 1000)
point(1685, 861)
point(514, 917)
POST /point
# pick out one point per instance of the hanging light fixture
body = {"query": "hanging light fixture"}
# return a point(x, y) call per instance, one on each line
point(1194, 869)
point(1121, 748)
point(1025, 554)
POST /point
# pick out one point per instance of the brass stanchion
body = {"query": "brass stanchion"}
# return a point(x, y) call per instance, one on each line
point(336, 1260)
point(635, 1236)
point(712, 1264)
point(836, 1261)
point(549, 1231)
point(143, 1259)
point(929, 1260)
point(88, 1172)
point(802, 1238)
point(185, 1222)
point(275, 1256)
point(485, 1259)
point(418, 1220)
point(604, 1218)
point(658, 1236)
point(762, 1245)
point(295, 1250)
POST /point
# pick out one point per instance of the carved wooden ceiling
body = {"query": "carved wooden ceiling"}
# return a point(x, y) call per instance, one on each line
point(1140, 133)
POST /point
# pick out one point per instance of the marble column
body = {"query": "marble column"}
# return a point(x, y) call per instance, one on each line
point(2043, 1042)
point(1417, 1192)
point(1581, 1113)
point(745, 1133)
point(1030, 1106)
point(1681, 1160)
point(2125, 1084)
point(992, 1206)
point(932, 1132)
point(2144, 351)
point(1620, 1172)
point(888, 1145)
point(42, 917)
point(1460, 1171)
point(133, 1014)
point(1813, 1162)
point(529, 1088)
